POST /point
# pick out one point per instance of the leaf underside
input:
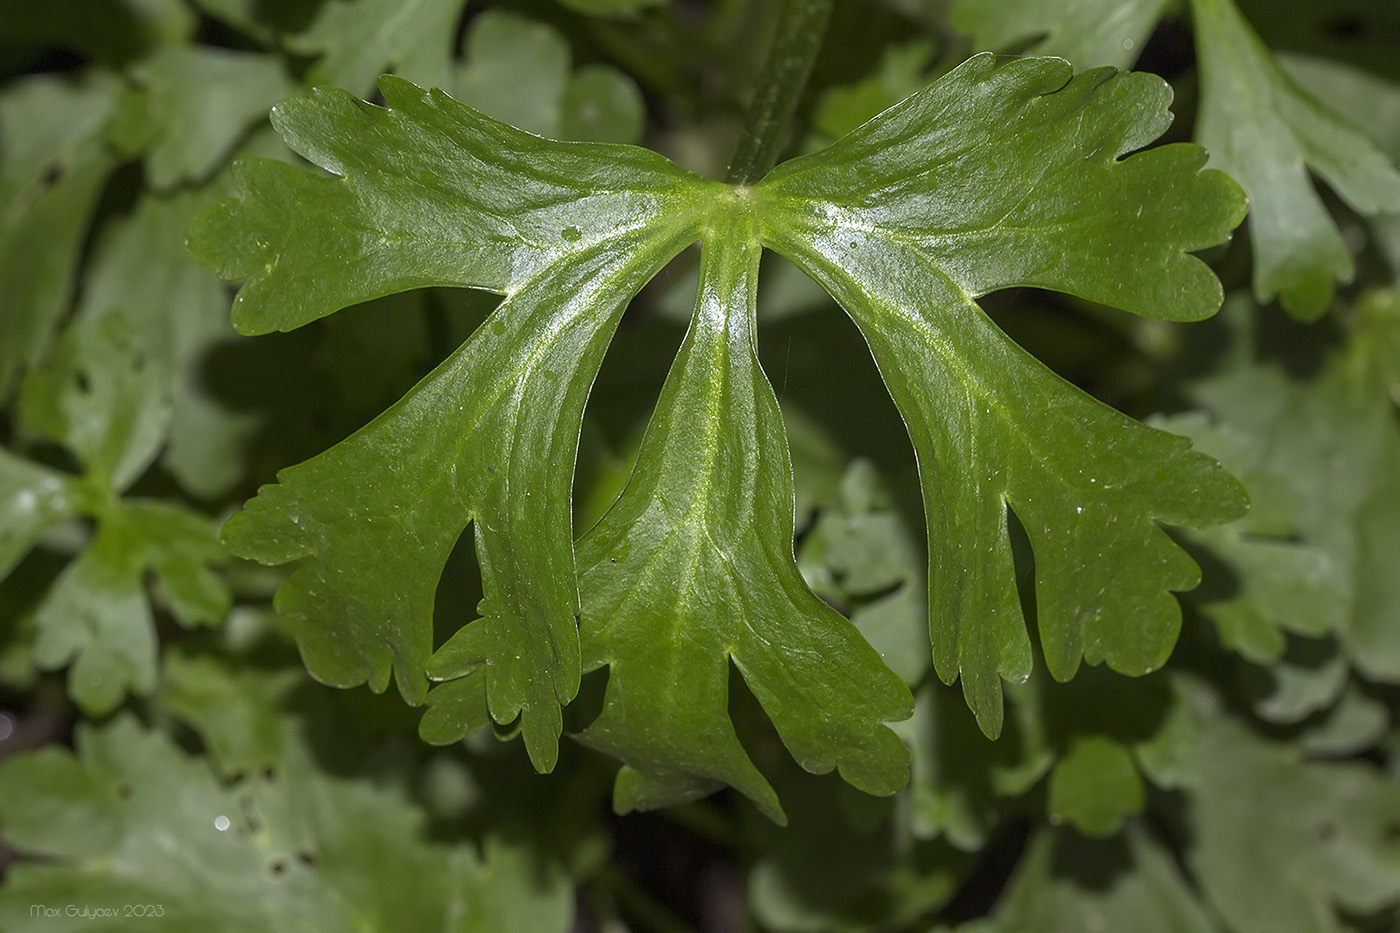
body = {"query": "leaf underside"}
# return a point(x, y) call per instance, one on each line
point(1001, 174)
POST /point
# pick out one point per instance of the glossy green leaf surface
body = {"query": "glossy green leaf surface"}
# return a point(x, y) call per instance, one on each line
point(693, 566)
point(905, 222)
point(570, 233)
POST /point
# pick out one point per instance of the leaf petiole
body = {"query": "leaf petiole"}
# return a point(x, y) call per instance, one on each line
point(800, 30)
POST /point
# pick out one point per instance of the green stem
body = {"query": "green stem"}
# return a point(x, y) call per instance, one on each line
point(801, 27)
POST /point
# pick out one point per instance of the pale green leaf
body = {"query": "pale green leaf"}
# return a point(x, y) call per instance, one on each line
point(97, 616)
point(360, 39)
point(32, 498)
point(1280, 845)
point(202, 101)
point(1267, 133)
point(132, 819)
point(1067, 882)
point(1263, 583)
point(518, 71)
point(1087, 32)
point(101, 395)
point(53, 163)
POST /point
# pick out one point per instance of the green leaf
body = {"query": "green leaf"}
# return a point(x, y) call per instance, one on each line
point(177, 318)
point(429, 192)
point(860, 557)
point(846, 865)
point(97, 616)
point(517, 71)
point(959, 778)
point(1262, 582)
point(1068, 882)
point(101, 396)
point(1280, 844)
point(693, 566)
point(32, 498)
point(902, 71)
point(53, 163)
point(1267, 132)
point(1051, 205)
point(442, 195)
point(131, 819)
point(1094, 786)
point(360, 39)
point(202, 101)
point(1087, 32)
point(1344, 506)
point(107, 30)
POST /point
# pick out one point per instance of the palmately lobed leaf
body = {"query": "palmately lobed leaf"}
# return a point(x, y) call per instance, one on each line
point(1001, 174)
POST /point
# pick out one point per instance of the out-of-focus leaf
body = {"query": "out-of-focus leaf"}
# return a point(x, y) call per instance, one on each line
point(112, 31)
point(1259, 583)
point(1087, 32)
point(1267, 132)
point(1095, 785)
point(97, 615)
point(518, 71)
point(32, 498)
point(959, 777)
point(131, 819)
point(842, 867)
point(53, 163)
point(357, 40)
point(619, 8)
point(1281, 845)
point(861, 557)
point(202, 102)
point(1067, 882)
point(101, 396)
point(1334, 440)
point(903, 69)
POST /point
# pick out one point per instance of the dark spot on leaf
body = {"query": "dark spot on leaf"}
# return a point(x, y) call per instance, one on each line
point(52, 173)
point(277, 868)
point(1346, 27)
point(571, 234)
point(123, 791)
point(307, 858)
point(1326, 832)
